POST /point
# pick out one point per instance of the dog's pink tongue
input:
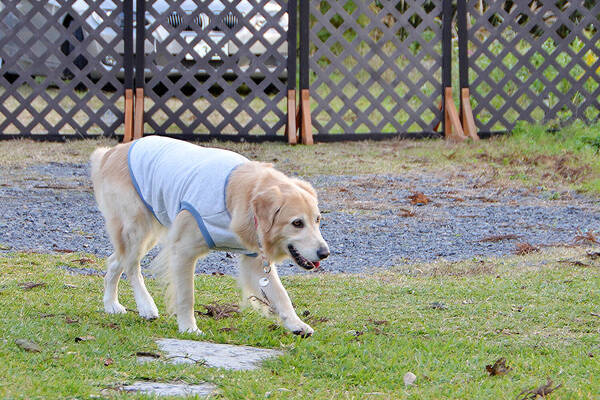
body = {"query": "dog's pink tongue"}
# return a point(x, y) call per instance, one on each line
point(316, 264)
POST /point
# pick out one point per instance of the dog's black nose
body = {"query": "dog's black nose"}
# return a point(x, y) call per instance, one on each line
point(323, 253)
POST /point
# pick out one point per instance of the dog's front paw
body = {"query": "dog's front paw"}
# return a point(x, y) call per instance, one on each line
point(114, 308)
point(194, 330)
point(300, 328)
point(149, 312)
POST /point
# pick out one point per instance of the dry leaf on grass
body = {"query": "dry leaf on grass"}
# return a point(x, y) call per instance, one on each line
point(70, 320)
point(86, 338)
point(499, 367)
point(84, 260)
point(28, 345)
point(379, 322)
point(541, 391)
point(587, 237)
point(108, 362)
point(220, 311)
point(31, 285)
point(593, 254)
point(418, 199)
point(525, 248)
point(498, 238)
point(405, 212)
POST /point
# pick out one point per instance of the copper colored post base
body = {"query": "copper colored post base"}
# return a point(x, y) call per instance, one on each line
point(452, 129)
point(291, 126)
point(305, 121)
point(128, 136)
point(138, 124)
point(468, 122)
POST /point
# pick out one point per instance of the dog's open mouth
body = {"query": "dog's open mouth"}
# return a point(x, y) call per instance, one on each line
point(301, 261)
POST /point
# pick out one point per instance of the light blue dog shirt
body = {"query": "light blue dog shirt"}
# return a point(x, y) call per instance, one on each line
point(172, 175)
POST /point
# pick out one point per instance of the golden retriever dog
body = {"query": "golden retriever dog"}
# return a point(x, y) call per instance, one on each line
point(192, 200)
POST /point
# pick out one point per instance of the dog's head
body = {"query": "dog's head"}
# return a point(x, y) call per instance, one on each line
point(288, 220)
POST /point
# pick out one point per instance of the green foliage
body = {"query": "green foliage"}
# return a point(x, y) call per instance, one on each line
point(370, 331)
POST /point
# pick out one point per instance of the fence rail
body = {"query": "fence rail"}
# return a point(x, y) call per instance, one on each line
point(229, 70)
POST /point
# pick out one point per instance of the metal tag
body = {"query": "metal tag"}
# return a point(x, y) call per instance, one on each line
point(263, 282)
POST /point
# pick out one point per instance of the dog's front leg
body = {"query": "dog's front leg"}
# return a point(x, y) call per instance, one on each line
point(268, 288)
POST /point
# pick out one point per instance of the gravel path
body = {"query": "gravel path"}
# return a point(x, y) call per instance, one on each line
point(368, 221)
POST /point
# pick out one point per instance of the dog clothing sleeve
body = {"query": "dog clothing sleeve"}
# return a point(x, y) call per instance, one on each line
point(172, 175)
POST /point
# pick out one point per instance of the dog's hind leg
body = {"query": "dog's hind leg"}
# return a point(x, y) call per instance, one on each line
point(131, 240)
point(267, 288)
point(139, 240)
point(111, 286)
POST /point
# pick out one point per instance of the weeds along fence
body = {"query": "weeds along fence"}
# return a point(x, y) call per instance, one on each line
point(264, 69)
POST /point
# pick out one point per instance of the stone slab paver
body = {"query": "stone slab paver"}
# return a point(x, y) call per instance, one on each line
point(171, 389)
point(214, 355)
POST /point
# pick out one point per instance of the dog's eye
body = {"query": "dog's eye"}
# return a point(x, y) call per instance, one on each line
point(298, 223)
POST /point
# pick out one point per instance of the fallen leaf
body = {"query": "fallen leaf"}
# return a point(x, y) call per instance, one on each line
point(436, 305)
point(220, 311)
point(70, 320)
point(541, 391)
point(28, 345)
point(108, 362)
point(525, 248)
point(84, 260)
point(587, 237)
point(593, 254)
point(499, 367)
point(111, 325)
point(64, 251)
point(405, 212)
point(86, 338)
point(498, 238)
point(409, 379)
point(418, 199)
point(228, 329)
point(31, 285)
point(378, 322)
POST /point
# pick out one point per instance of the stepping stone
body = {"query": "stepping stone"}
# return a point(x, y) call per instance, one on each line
point(214, 355)
point(171, 389)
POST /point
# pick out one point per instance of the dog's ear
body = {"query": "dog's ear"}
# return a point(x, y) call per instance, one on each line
point(306, 186)
point(265, 206)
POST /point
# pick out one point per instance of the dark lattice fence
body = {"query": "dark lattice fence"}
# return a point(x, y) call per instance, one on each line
point(375, 66)
point(216, 67)
point(534, 61)
point(60, 63)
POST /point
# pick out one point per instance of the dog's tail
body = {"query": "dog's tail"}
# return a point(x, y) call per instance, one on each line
point(161, 269)
point(97, 159)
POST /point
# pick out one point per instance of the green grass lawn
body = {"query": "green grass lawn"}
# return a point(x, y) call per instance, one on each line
point(538, 311)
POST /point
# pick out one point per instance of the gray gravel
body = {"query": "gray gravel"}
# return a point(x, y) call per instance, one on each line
point(51, 207)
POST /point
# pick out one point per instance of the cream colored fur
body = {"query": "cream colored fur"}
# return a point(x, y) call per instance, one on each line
point(256, 191)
